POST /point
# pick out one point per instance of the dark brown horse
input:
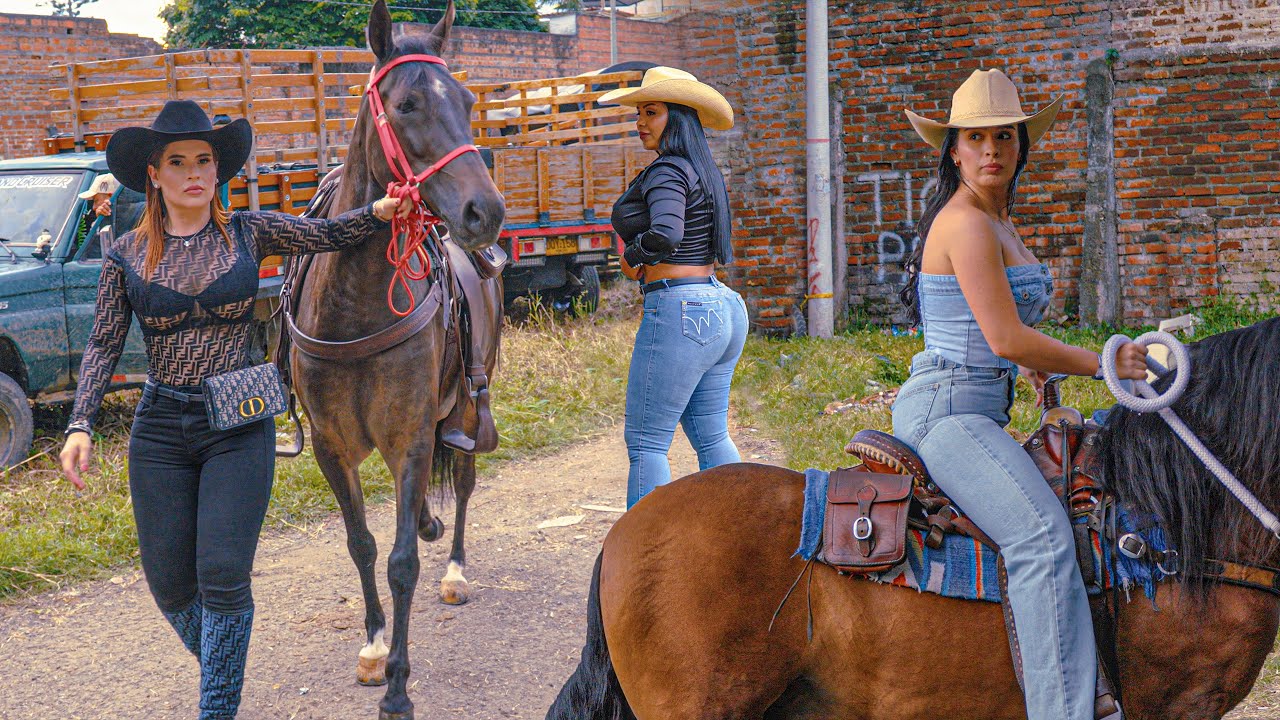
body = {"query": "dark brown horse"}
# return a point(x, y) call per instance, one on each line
point(395, 400)
point(684, 589)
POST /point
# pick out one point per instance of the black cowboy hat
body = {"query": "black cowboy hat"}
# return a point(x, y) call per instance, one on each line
point(131, 147)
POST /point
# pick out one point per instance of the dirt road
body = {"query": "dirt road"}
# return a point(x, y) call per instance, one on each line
point(101, 650)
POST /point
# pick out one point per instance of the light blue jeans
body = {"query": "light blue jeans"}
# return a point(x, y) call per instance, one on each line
point(687, 346)
point(954, 416)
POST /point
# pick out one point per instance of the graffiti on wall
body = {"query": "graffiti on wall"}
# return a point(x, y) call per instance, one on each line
point(894, 245)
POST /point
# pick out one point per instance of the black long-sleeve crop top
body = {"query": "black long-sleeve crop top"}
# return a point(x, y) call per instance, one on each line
point(194, 309)
point(666, 216)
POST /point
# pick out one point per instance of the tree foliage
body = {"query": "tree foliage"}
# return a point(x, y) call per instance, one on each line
point(69, 8)
point(312, 23)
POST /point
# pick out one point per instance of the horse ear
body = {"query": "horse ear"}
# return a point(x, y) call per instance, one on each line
point(379, 31)
point(441, 31)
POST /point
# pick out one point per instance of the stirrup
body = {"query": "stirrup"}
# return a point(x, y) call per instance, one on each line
point(1105, 706)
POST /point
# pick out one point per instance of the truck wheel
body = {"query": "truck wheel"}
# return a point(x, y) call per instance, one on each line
point(15, 423)
point(587, 298)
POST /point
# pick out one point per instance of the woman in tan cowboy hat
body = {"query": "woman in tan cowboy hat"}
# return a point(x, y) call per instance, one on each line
point(189, 273)
point(674, 218)
point(979, 291)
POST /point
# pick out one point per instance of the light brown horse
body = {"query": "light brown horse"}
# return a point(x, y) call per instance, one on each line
point(680, 605)
point(395, 400)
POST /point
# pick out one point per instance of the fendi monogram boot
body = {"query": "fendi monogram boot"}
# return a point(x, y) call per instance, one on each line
point(188, 623)
point(224, 646)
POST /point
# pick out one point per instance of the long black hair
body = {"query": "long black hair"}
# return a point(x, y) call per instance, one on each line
point(1230, 404)
point(948, 183)
point(684, 137)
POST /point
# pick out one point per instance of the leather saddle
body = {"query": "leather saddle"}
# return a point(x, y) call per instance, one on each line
point(473, 323)
point(1064, 448)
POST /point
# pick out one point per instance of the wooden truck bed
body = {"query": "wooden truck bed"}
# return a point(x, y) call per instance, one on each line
point(562, 162)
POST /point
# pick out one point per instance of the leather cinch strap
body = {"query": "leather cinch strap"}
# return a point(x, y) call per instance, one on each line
point(1257, 577)
point(371, 345)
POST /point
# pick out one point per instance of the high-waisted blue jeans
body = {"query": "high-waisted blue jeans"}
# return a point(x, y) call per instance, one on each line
point(954, 416)
point(687, 346)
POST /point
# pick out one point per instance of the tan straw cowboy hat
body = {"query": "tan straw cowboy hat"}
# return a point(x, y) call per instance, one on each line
point(987, 99)
point(669, 85)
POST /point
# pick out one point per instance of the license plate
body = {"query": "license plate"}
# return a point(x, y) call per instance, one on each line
point(562, 246)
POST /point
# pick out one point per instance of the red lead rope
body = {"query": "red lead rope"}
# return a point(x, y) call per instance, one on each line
point(416, 227)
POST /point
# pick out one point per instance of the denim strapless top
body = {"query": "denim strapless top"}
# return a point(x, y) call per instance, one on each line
point(950, 329)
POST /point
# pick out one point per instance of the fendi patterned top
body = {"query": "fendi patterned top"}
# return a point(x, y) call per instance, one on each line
point(195, 308)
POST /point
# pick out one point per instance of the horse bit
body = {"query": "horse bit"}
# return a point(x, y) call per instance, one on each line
point(415, 228)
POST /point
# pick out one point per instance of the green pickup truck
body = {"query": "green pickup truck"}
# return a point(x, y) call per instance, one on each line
point(50, 261)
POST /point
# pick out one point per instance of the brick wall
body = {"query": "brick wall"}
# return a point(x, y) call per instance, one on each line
point(637, 40)
point(1197, 178)
point(497, 55)
point(1196, 104)
point(28, 45)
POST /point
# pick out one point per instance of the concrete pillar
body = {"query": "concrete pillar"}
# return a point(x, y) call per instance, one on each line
point(1101, 299)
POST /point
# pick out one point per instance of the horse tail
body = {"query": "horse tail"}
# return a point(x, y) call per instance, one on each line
point(442, 465)
point(592, 692)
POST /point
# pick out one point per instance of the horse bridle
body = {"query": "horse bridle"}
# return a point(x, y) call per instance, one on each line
point(396, 158)
point(415, 228)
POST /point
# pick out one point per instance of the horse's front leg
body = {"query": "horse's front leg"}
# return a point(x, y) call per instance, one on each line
point(402, 576)
point(454, 589)
point(344, 480)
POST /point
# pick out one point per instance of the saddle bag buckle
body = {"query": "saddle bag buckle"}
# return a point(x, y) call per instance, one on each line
point(863, 528)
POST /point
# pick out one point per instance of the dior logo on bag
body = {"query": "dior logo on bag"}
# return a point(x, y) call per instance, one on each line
point(243, 396)
point(252, 407)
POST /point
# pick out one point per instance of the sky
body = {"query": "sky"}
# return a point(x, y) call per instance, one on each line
point(136, 17)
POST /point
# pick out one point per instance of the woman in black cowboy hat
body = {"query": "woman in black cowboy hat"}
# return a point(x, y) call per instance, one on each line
point(189, 272)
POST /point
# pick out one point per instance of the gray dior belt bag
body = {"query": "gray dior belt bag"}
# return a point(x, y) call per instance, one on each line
point(243, 396)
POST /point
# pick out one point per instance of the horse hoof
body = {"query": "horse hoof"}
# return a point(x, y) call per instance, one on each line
point(454, 592)
point(371, 672)
point(432, 531)
point(385, 715)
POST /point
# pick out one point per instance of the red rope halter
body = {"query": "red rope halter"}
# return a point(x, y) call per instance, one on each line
point(416, 227)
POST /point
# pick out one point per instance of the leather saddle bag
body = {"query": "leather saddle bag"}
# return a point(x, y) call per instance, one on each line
point(866, 521)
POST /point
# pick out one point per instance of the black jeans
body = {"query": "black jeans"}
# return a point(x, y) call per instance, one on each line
point(199, 498)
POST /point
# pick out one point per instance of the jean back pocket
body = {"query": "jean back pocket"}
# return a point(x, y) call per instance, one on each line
point(702, 321)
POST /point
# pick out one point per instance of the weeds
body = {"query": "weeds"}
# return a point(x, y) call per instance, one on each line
point(783, 386)
point(559, 380)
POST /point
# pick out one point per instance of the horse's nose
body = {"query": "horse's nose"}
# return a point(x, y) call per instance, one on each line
point(483, 217)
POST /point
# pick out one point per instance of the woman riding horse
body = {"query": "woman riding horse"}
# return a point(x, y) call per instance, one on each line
point(189, 273)
point(979, 290)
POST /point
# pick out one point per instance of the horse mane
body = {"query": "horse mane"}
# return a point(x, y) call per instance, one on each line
point(1231, 403)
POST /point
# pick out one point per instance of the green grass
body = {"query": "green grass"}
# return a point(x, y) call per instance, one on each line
point(782, 386)
point(559, 380)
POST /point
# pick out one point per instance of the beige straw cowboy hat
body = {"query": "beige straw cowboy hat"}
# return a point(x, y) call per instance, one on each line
point(987, 99)
point(669, 85)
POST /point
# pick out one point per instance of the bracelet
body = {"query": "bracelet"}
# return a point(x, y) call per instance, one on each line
point(1098, 375)
point(75, 429)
